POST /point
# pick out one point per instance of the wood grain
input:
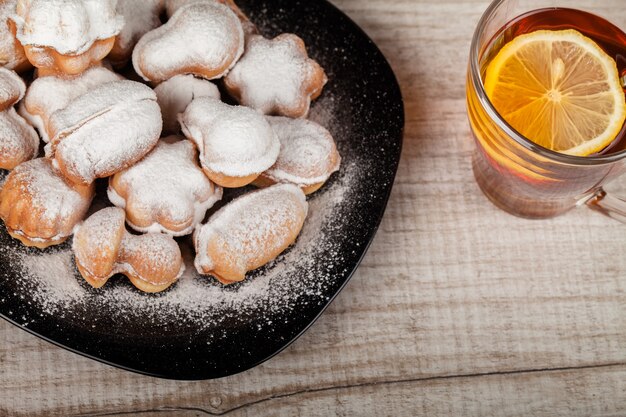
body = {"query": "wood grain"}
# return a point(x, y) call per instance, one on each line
point(457, 309)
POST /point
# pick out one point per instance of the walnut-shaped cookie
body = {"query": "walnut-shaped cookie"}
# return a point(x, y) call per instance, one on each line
point(104, 130)
point(276, 76)
point(204, 39)
point(103, 247)
point(249, 232)
point(46, 95)
point(308, 155)
point(166, 191)
point(140, 17)
point(12, 55)
point(39, 207)
point(68, 36)
point(236, 143)
point(18, 140)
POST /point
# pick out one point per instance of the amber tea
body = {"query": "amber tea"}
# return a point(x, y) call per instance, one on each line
point(549, 169)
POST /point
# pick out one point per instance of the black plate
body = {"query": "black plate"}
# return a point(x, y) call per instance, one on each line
point(197, 329)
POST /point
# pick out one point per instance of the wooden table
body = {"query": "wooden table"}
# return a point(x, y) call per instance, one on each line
point(457, 309)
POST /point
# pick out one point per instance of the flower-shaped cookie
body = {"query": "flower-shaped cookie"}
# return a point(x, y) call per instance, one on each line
point(203, 39)
point(236, 143)
point(166, 191)
point(18, 140)
point(140, 17)
point(276, 76)
point(308, 155)
point(46, 95)
point(175, 94)
point(39, 207)
point(103, 248)
point(66, 36)
point(12, 54)
point(104, 130)
point(249, 232)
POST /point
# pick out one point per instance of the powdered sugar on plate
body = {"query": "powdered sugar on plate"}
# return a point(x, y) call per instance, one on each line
point(49, 280)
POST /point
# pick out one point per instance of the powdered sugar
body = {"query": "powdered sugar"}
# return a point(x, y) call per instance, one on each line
point(46, 95)
point(204, 39)
point(68, 26)
point(233, 140)
point(105, 130)
point(175, 94)
point(308, 154)
point(166, 191)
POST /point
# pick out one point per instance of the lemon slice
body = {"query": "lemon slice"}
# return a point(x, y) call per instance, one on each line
point(558, 89)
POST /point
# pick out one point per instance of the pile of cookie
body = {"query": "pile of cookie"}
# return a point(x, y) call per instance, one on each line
point(121, 90)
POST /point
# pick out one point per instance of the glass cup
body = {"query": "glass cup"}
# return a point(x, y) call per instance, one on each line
point(516, 174)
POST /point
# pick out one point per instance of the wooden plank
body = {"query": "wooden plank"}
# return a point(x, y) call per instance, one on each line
point(451, 286)
point(572, 393)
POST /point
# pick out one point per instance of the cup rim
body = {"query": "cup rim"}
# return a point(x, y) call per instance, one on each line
point(477, 83)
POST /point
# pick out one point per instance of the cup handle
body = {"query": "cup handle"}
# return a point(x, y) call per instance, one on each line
point(609, 205)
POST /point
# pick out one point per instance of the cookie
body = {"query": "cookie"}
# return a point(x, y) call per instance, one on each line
point(12, 55)
point(104, 130)
point(12, 88)
point(236, 143)
point(171, 6)
point(68, 36)
point(249, 232)
point(18, 140)
point(308, 155)
point(204, 39)
point(166, 191)
point(102, 248)
point(47, 95)
point(276, 76)
point(175, 94)
point(39, 207)
point(140, 17)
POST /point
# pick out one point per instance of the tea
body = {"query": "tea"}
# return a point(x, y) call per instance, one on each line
point(606, 35)
point(523, 179)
